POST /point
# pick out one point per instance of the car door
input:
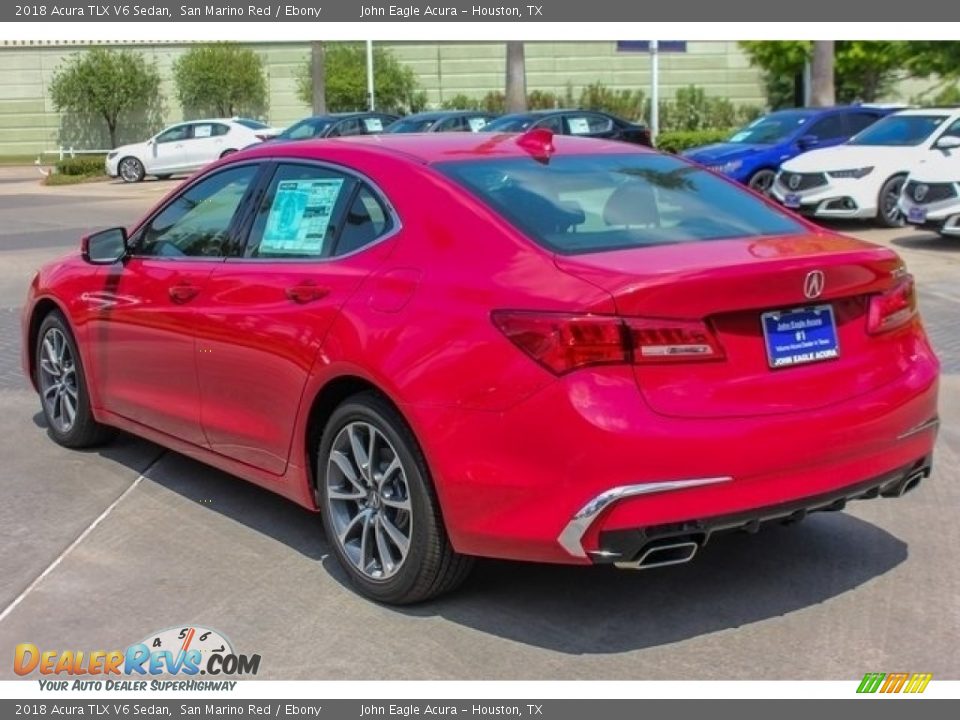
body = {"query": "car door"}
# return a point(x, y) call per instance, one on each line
point(168, 150)
point(142, 333)
point(206, 144)
point(313, 232)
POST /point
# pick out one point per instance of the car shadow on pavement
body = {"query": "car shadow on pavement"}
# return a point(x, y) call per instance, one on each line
point(926, 241)
point(737, 579)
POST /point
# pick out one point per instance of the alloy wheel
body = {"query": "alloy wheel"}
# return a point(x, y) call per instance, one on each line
point(762, 181)
point(58, 380)
point(130, 169)
point(890, 203)
point(368, 498)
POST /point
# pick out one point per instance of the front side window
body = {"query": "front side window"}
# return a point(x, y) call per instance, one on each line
point(554, 124)
point(311, 212)
point(953, 130)
point(591, 203)
point(174, 134)
point(828, 128)
point(859, 121)
point(305, 129)
point(197, 222)
point(511, 123)
point(346, 128)
point(900, 130)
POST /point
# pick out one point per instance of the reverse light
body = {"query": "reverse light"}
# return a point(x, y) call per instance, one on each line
point(855, 173)
point(893, 308)
point(563, 342)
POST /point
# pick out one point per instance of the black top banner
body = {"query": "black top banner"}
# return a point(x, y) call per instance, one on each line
point(738, 11)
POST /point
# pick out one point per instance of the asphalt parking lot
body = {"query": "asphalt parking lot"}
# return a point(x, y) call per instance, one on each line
point(871, 589)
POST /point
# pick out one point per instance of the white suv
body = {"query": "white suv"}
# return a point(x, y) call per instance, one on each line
point(181, 148)
point(863, 177)
point(931, 195)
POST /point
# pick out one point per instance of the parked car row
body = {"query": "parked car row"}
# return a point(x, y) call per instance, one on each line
point(189, 146)
point(860, 162)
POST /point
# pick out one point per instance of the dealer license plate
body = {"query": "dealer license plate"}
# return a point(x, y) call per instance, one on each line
point(800, 336)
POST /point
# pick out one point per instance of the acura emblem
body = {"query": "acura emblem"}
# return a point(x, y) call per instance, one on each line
point(813, 284)
point(794, 182)
point(920, 192)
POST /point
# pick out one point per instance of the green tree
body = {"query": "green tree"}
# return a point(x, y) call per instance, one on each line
point(395, 84)
point(222, 79)
point(107, 83)
point(864, 70)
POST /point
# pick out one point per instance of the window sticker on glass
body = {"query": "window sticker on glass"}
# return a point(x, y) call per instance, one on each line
point(373, 124)
point(300, 216)
point(202, 131)
point(476, 123)
point(579, 126)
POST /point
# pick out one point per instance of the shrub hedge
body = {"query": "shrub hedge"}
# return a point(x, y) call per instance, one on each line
point(679, 140)
point(83, 165)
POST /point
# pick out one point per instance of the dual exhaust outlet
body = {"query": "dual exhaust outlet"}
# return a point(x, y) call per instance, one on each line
point(677, 551)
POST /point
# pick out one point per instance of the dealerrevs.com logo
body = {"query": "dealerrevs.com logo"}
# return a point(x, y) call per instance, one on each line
point(180, 651)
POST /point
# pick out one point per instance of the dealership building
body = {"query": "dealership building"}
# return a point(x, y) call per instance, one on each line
point(29, 124)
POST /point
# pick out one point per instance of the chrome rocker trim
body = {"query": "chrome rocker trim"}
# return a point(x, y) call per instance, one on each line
point(571, 539)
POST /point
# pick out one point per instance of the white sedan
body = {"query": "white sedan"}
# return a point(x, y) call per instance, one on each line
point(863, 177)
point(181, 148)
point(931, 196)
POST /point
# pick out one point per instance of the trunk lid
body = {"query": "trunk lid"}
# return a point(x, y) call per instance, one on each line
point(729, 284)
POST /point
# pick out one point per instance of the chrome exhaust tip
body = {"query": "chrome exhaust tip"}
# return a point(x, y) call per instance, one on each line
point(906, 485)
point(662, 555)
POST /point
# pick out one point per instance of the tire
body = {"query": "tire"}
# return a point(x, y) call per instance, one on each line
point(887, 215)
point(231, 151)
point(63, 387)
point(369, 517)
point(762, 181)
point(130, 170)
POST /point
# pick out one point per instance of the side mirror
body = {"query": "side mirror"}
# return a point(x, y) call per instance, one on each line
point(947, 142)
point(105, 247)
point(808, 141)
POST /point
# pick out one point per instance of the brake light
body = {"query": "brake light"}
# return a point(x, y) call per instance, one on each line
point(892, 309)
point(564, 342)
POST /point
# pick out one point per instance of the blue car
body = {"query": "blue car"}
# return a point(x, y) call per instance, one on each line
point(753, 154)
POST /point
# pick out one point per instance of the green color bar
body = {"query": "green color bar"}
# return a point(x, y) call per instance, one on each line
point(871, 682)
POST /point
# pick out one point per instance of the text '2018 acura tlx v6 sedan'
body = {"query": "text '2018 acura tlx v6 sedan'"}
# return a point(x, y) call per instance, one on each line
point(521, 346)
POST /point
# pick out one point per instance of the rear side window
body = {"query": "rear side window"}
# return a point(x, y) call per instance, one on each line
point(590, 203)
point(589, 124)
point(312, 212)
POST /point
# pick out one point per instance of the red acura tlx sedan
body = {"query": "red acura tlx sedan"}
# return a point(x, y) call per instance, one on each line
point(541, 348)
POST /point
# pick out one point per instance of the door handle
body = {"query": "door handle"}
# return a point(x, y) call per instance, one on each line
point(183, 292)
point(306, 291)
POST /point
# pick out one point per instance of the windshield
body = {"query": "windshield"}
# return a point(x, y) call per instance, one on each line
point(412, 125)
point(252, 124)
point(899, 130)
point(311, 127)
point(771, 129)
point(510, 123)
point(590, 203)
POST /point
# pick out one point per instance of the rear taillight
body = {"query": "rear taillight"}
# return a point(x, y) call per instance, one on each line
point(564, 342)
point(892, 309)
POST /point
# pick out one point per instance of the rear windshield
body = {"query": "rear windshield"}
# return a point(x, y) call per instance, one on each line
point(590, 203)
point(900, 130)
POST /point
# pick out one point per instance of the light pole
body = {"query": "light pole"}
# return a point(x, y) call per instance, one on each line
point(370, 100)
point(654, 89)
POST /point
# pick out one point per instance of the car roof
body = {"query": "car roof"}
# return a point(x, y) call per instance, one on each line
point(931, 111)
point(441, 147)
point(344, 115)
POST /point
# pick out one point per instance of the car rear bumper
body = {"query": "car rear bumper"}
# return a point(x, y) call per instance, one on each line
point(512, 483)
